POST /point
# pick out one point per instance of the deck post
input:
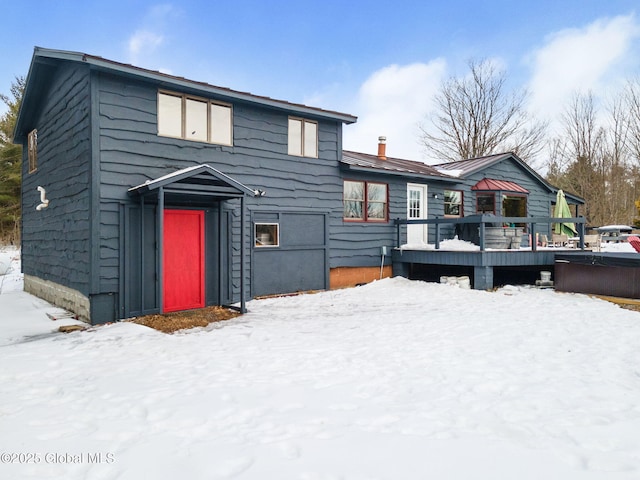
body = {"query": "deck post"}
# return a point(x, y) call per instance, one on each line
point(243, 307)
point(160, 241)
point(482, 225)
point(400, 269)
point(141, 272)
point(397, 233)
point(534, 240)
point(482, 278)
point(437, 235)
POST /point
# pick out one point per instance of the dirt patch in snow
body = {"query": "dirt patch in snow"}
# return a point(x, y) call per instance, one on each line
point(172, 322)
point(634, 307)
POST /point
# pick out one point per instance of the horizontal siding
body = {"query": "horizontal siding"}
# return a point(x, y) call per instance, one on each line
point(358, 244)
point(131, 153)
point(56, 239)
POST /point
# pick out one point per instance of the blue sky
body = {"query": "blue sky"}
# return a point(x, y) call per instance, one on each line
point(382, 61)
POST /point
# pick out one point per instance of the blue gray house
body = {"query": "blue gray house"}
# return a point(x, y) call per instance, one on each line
point(145, 192)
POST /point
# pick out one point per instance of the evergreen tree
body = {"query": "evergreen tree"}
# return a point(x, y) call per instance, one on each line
point(10, 166)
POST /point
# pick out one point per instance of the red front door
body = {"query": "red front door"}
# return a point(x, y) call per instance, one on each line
point(183, 260)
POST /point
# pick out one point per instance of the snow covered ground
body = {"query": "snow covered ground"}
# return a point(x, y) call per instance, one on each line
point(394, 380)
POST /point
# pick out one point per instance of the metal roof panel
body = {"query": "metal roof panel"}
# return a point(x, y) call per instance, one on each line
point(492, 184)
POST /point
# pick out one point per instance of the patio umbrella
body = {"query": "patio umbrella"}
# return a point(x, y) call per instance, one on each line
point(562, 211)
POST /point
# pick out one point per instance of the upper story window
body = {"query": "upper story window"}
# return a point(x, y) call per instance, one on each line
point(303, 137)
point(192, 118)
point(453, 203)
point(32, 150)
point(365, 201)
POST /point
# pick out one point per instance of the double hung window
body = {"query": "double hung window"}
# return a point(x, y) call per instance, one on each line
point(453, 203)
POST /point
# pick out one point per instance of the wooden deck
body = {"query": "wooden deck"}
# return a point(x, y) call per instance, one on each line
point(481, 264)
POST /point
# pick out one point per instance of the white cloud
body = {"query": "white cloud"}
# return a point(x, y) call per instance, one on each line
point(144, 41)
point(149, 36)
point(391, 102)
point(577, 60)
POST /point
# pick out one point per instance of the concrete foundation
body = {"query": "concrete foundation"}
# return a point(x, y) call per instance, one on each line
point(59, 295)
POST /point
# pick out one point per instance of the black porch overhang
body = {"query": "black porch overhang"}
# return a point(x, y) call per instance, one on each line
point(199, 180)
point(196, 185)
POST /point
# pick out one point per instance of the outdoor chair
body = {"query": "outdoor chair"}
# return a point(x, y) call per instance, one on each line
point(635, 242)
point(593, 242)
point(543, 241)
point(559, 240)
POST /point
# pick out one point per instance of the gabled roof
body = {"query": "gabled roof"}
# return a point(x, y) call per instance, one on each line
point(200, 180)
point(464, 168)
point(44, 60)
point(354, 161)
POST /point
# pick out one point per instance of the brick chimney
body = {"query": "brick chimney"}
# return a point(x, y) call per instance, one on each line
point(382, 148)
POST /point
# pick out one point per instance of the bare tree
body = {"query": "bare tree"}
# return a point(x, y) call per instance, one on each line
point(632, 101)
point(619, 186)
point(584, 174)
point(476, 116)
point(592, 158)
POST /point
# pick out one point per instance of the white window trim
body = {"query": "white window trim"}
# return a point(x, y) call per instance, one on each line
point(461, 204)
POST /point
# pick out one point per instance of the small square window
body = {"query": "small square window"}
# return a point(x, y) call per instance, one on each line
point(32, 152)
point(267, 235)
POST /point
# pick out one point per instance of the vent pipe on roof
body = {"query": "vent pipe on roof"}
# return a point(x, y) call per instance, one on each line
point(382, 148)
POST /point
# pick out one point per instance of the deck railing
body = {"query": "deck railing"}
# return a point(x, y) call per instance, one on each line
point(483, 220)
